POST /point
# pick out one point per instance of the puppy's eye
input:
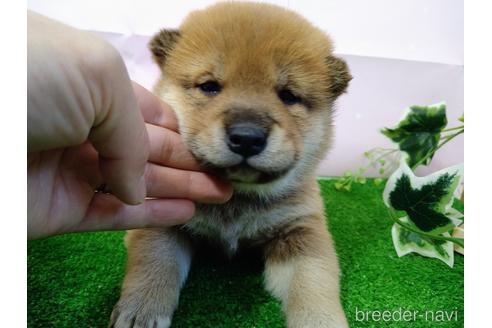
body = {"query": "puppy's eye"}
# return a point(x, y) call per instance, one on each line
point(210, 87)
point(288, 97)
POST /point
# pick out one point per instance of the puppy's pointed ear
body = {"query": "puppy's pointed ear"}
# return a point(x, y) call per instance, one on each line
point(339, 75)
point(162, 43)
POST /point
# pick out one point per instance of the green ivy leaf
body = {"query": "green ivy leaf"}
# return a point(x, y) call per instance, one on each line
point(462, 118)
point(361, 179)
point(426, 200)
point(378, 181)
point(339, 185)
point(456, 216)
point(343, 183)
point(418, 133)
point(406, 241)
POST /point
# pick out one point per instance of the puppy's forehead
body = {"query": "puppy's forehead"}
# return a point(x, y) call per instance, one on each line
point(251, 39)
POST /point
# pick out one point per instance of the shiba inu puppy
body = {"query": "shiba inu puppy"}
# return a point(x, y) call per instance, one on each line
point(253, 86)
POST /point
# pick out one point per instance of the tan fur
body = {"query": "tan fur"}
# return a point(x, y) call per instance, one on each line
point(253, 51)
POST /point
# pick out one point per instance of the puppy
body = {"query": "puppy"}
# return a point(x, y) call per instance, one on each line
point(253, 86)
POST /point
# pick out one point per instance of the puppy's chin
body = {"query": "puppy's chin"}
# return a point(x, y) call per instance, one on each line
point(252, 172)
point(243, 174)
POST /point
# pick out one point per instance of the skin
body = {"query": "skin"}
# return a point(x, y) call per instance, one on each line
point(88, 125)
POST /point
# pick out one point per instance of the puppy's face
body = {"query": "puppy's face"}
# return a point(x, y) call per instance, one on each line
point(253, 87)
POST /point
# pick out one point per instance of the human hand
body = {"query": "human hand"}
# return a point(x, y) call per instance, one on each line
point(85, 129)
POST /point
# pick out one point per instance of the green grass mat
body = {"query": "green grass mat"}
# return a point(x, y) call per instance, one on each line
point(74, 280)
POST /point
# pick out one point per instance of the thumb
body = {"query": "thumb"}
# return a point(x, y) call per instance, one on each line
point(120, 137)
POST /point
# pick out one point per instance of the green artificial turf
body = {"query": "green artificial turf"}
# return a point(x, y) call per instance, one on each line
point(74, 280)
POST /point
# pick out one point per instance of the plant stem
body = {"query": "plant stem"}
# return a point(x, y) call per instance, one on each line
point(374, 161)
point(449, 137)
point(455, 128)
point(458, 241)
point(385, 153)
point(446, 140)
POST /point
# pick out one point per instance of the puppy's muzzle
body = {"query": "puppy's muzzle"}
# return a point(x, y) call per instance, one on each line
point(246, 139)
point(247, 131)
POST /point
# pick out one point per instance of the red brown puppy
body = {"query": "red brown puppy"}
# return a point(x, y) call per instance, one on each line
point(253, 86)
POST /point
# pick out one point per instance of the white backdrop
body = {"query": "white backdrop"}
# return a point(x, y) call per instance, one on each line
point(400, 53)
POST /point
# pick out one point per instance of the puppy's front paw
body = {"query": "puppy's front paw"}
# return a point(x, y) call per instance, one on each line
point(139, 313)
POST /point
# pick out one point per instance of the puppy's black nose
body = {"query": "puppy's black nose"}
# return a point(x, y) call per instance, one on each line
point(246, 139)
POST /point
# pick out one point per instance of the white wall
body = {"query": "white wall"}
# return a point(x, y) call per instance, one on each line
point(401, 52)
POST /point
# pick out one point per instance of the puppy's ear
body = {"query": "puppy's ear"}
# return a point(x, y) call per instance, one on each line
point(162, 43)
point(339, 75)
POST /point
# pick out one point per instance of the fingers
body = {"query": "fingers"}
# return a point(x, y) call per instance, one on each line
point(171, 174)
point(166, 146)
point(83, 161)
point(168, 149)
point(106, 212)
point(166, 182)
point(120, 137)
point(154, 110)
point(175, 178)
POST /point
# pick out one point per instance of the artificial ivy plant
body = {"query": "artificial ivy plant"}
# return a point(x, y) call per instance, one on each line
point(421, 207)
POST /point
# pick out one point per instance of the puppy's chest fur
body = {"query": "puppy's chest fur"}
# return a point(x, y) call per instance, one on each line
point(245, 219)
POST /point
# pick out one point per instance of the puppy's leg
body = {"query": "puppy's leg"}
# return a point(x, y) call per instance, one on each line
point(301, 270)
point(158, 263)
